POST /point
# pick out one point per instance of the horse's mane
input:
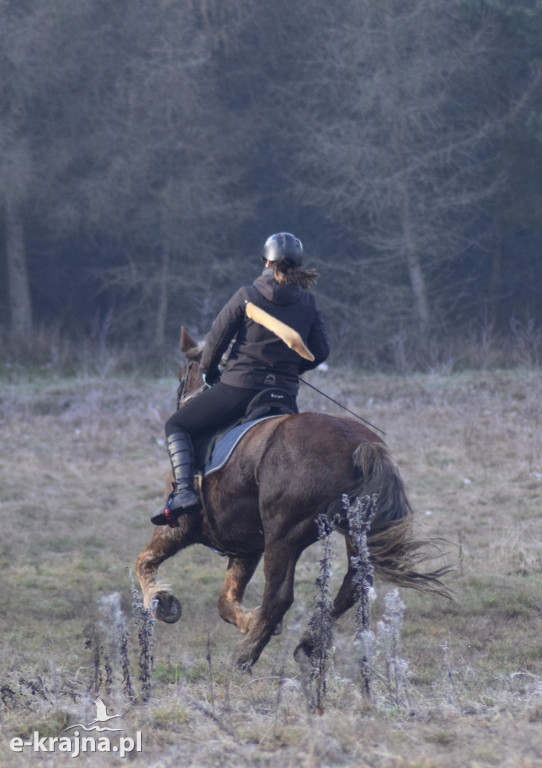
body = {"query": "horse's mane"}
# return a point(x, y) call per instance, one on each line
point(194, 353)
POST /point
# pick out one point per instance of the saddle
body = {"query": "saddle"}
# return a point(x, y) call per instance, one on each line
point(212, 451)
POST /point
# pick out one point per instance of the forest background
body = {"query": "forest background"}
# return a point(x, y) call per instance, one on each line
point(148, 148)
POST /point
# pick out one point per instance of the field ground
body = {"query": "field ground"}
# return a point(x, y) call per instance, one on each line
point(82, 465)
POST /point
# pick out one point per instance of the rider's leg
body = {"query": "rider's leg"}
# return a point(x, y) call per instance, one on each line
point(183, 498)
point(209, 411)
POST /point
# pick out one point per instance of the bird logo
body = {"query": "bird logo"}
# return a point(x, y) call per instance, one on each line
point(97, 723)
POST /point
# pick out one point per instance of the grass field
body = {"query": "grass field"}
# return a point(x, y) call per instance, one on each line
point(82, 465)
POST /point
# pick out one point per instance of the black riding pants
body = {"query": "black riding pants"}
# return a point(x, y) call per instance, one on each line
point(213, 408)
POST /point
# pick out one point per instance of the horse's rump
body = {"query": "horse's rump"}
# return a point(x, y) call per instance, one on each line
point(311, 461)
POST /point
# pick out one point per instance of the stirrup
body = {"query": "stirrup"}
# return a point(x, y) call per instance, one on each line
point(163, 516)
point(167, 516)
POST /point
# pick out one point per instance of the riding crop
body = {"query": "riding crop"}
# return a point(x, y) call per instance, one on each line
point(342, 406)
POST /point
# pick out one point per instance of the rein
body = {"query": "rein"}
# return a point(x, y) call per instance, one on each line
point(181, 397)
point(342, 406)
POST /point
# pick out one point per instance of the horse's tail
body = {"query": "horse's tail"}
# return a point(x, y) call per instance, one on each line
point(394, 552)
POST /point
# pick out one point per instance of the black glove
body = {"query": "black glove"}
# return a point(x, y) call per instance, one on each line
point(211, 377)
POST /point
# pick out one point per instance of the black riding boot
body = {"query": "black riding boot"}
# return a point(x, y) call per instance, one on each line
point(183, 498)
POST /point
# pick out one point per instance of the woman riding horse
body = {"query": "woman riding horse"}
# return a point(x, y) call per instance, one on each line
point(258, 360)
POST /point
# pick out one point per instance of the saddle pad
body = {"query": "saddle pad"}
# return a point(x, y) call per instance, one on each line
point(224, 447)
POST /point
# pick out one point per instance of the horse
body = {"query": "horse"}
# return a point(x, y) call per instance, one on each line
point(283, 474)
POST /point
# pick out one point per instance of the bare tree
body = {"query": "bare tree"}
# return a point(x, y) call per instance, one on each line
point(16, 168)
point(171, 162)
point(396, 125)
point(113, 136)
point(35, 78)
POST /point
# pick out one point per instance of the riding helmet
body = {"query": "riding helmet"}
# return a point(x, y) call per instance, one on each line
point(283, 244)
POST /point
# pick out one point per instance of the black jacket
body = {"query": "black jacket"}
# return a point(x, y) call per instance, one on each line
point(259, 359)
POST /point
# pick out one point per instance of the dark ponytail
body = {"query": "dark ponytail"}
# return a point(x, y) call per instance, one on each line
point(288, 273)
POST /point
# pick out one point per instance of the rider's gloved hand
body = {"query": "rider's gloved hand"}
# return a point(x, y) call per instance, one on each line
point(211, 377)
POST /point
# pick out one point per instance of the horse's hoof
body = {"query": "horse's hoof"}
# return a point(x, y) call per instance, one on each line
point(244, 666)
point(243, 659)
point(304, 650)
point(168, 609)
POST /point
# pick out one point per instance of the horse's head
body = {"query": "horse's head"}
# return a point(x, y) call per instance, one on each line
point(190, 380)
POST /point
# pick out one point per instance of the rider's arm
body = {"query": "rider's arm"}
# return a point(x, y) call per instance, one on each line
point(318, 343)
point(222, 332)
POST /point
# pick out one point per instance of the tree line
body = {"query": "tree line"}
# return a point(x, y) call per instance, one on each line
point(148, 148)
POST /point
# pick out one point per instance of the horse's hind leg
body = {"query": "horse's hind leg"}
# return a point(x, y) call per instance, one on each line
point(347, 594)
point(164, 543)
point(239, 572)
point(279, 569)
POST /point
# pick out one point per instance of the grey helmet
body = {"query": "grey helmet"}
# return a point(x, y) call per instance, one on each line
point(283, 244)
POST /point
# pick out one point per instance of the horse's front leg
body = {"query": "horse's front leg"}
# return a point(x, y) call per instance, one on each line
point(279, 569)
point(164, 543)
point(238, 574)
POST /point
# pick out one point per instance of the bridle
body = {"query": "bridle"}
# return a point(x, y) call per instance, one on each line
point(183, 397)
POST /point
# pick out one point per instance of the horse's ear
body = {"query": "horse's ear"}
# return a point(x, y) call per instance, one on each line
point(187, 342)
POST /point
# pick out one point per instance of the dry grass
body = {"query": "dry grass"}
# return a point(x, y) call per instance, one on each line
point(81, 468)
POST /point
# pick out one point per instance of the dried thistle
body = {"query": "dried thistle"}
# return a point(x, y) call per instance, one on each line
point(127, 687)
point(115, 643)
point(320, 625)
point(93, 644)
point(210, 669)
point(144, 620)
point(359, 514)
point(389, 639)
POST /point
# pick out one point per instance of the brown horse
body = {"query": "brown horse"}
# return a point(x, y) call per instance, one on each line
point(265, 501)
